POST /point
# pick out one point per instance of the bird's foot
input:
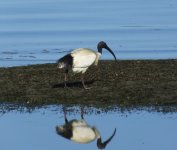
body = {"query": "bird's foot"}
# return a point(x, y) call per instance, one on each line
point(83, 84)
point(65, 86)
point(87, 88)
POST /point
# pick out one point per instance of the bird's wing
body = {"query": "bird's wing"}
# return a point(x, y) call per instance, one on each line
point(83, 58)
point(83, 134)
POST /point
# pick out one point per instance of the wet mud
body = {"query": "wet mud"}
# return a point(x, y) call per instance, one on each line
point(123, 83)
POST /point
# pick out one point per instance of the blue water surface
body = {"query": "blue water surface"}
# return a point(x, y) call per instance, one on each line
point(41, 31)
point(136, 130)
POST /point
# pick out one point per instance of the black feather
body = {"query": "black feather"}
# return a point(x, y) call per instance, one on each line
point(67, 60)
point(67, 133)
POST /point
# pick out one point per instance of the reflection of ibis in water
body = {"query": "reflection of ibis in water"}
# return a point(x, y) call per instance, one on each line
point(80, 131)
point(80, 59)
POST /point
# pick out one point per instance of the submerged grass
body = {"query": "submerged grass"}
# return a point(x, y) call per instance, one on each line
point(123, 83)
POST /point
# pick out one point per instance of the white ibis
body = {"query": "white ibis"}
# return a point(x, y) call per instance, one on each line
point(79, 60)
point(80, 131)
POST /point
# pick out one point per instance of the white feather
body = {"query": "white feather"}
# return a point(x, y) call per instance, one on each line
point(82, 132)
point(79, 123)
point(83, 58)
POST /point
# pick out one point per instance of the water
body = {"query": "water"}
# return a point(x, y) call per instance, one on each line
point(41, 31)
point(136, 130)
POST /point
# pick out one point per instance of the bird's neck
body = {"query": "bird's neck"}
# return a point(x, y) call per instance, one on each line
point(96, 132)
point(99, 49)
point(98, 55)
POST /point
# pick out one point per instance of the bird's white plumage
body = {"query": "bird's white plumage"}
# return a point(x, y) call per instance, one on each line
point(83, 58)
point(82, 132)
point(83, 135)
point(79, 123)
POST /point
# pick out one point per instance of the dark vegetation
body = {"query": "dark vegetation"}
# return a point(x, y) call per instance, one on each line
point(131, 83)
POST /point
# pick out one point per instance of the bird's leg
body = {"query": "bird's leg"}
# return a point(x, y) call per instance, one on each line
point(66, 120)
point(66, 77)
point(82, 112)
point(82, 79)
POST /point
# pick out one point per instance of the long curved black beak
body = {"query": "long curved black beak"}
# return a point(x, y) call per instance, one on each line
point(111, 52)
point(102, 145)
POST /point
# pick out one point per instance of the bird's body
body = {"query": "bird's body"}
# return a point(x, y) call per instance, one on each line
point(83, 134)
point(83, 58)
point(79, 60)
point(80, 131)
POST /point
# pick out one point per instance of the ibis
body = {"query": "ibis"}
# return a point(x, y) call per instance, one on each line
point(79, 131)
point(79, 60)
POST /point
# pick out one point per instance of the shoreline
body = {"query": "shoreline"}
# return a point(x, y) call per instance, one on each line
point(43, 62)
point(126, 83)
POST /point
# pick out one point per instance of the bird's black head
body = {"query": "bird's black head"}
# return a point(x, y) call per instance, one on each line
point(102, 145)
point(102, 45)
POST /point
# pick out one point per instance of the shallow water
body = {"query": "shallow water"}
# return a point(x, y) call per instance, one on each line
point(42, 31)
point(135, 129)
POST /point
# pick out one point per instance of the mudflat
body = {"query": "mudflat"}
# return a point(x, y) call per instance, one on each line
point(125, 82)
